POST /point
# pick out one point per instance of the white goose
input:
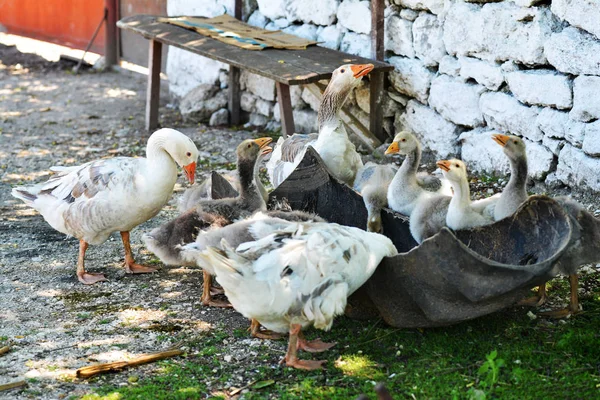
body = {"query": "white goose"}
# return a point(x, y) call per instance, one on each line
point(372, 182)
point(332, 143)
point(95, 199)
point(409, 188)
point(461, 214)
point(295, 275)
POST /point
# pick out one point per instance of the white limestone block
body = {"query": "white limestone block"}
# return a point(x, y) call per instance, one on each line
point(205, 8)
point(449, 65)
point(411, 77)
point(306, 31)
point(187, 70)
point(309, 98)
point(481, 153)
point(554, 145)
point(319, 12)
point(258, 85)
point(219, 117)
point(247, 101)
point(539, 160)
point(355, 15)
point(584, 14)
point(263, 107)
point(503, 112)
point(541, 87)
point(356, 43)
point(558, 125)
point(399, 36)
point(574, 51)
point(575, 168)
point(586, 98)
point(456, 101)
point(428, 39)
point(409, 14)
point(272, 9)
point(591, 141)
point(202, 101)
point(330, 37)
point(499, 31)
point(432, 130)
point(435, 6)
point(258, 19)
point(488, 74)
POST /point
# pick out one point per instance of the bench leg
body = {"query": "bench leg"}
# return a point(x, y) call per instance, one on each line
point(153, 91)
point(376, 111)
point(234, 95)
point(285, 109)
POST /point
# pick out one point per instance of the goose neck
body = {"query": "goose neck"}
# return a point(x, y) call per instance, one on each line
point(331, 104)
point(462, 195)
point(518, 173)
point(246, 173)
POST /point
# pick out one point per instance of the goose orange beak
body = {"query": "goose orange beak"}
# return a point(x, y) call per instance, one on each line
point(360, 70)
point(190, 171)
point(500, 139)
point(444, 165)
point(263, 141)
point(393, 148)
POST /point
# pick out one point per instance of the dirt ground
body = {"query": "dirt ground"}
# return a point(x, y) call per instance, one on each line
point(49, 116)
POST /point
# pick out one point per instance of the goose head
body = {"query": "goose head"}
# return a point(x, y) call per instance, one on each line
point(180, 147)
point(514, 146)
point(453, 170)
point(251, 150)
point(343, 80)
point(404, 143)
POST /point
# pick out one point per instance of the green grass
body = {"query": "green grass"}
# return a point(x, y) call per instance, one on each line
point(505, 355)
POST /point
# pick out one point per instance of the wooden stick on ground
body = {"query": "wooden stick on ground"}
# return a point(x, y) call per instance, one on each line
point(92, 370)
point(4, 350)
point(12, 385)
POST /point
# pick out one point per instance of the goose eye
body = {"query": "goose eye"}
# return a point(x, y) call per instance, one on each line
point(250, 145)
point(342, 70)
point(457, 166)
point(404, 140)
point(189, 154)
point(514, 141)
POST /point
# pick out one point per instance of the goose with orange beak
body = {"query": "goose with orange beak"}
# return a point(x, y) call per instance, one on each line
point(166, 240)
point(408, 187)
point(332, 143)
point(461, 214)
point(93, 200)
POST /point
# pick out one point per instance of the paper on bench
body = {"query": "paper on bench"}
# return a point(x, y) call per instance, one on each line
point(229, 30)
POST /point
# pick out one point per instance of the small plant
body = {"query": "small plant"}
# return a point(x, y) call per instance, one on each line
point(489, 373)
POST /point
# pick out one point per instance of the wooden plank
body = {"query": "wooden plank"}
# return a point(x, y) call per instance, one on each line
point(285, 109)
point(234, 96)
point(351, 123)
point(377, 29)
point(376, 110)
point(376, 79)
point(237, 10)
point(153, 90)
point(285, 66)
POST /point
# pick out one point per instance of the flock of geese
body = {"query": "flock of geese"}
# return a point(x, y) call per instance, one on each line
point(284, 270)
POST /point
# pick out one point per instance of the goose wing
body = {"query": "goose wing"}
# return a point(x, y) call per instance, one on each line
point(298, 273)
point(286, 156)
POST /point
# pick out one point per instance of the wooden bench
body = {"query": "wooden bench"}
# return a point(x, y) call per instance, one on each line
point(285, 67)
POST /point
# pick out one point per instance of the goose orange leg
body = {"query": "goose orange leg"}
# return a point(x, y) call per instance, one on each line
point(538, 300)
point(87, 278)
point(130, 266)
point(573, 307)
point(207, 299)
point(291, 357)
point(256, 332)
point(314, 346)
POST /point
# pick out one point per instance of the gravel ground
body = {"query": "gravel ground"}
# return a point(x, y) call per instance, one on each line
point(48, 116)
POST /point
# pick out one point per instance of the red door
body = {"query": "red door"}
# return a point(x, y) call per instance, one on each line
point(68, 22)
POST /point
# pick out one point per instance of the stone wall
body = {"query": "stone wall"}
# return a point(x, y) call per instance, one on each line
point(464, 69)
